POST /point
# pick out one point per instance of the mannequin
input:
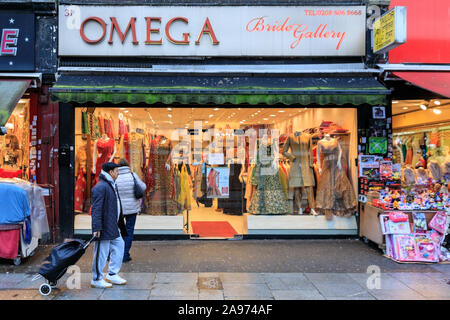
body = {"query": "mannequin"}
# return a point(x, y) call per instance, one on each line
point(335, 194)
point(104, 151)
point(301, 173)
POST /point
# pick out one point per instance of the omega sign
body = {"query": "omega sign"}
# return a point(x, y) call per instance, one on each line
point(211, 31)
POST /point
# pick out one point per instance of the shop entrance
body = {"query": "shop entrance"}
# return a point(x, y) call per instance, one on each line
point(203, 167)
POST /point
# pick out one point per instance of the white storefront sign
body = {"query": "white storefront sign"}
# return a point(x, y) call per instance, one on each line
point(212, 31)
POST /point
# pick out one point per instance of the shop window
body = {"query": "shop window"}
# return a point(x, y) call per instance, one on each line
point(222, 164)
point(14, 145)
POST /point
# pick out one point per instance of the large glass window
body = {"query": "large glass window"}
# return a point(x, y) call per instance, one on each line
point(15, 145)
point(221, 164)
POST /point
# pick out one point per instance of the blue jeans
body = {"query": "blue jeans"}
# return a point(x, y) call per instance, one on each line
point(130, 221)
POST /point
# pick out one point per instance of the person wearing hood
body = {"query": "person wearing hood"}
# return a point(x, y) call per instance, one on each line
point(109, 227)
point(131, 205)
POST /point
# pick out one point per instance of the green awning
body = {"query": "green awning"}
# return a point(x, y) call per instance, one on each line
point(219, 90)
point(11, 91)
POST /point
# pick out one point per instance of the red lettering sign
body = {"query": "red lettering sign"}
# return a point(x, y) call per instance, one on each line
point(150, 30)
point(9, 39)
point(122, 36)
point(207, 28)
point(99, 21)
point(185, 35)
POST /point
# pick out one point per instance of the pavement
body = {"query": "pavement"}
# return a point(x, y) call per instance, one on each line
point(240, 270)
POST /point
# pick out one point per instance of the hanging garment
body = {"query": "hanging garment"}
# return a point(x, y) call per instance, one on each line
point(233, 204)
point(162, 196)
point(136, 141)
point(184, 194)
point(268, 196)
point(84, 123)
point(122, 128)
point(80, 190)
point(105, 149)
point(95, 130)
point(301, 173)
point(101, 125)
point(335, 194)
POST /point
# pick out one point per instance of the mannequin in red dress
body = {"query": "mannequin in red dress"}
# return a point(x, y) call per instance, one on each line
point(104, 151)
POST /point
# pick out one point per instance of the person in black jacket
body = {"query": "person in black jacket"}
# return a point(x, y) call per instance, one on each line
point(109, 227)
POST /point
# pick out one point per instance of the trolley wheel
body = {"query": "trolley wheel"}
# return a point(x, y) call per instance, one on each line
point(31, 253)
point(45, 289)
point(17, 261)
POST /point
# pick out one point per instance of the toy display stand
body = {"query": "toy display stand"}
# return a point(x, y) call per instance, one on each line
point(413, 262)
point(370, 228)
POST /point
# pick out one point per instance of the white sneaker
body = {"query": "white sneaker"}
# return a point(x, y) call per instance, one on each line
point(314, 213)
point(100, 284)
point(116, 279)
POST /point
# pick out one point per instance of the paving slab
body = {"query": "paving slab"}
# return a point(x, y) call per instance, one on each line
point(239, 277)
point(387, 294)
point(246, 290)
point(176, 277)
point(206, 294)
point(195, 297)
point(126, 294)
point(386, 281)
point(297, 295)
point(138, 280)
point(81, 294)
point(174, 289)
point(289, 282)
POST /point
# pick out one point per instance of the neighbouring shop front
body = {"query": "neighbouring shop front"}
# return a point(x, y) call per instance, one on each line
point(249, 129)
point(27, 191)
point(407, 208)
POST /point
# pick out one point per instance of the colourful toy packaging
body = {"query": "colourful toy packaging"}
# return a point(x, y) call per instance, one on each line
point(420, 222)
point(439, 222)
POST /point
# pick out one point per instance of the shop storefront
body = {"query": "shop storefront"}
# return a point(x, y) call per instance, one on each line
point(244, 130)
point(27, 191)
point(407, 209)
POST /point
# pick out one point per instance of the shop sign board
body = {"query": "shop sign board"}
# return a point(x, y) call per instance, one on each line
point(211, 31)
point(389, 31)
point(16, 41)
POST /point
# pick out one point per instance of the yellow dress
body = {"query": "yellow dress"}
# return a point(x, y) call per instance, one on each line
point(184, 197)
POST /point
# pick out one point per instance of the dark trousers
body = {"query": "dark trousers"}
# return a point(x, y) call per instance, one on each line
point(130, 221)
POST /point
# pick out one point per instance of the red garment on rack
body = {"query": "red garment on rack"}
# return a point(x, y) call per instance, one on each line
point(80, 191)
point(105, 149)
point(9, 174)
point(9, 243)
point(126, 146)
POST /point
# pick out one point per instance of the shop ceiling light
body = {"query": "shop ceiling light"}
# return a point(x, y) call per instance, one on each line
point(272, 115)
point(437, 102)
point(394, 101)
point(437, 111)
point(280, 110)
point(215, 109)
point(170, 116)
point(211, 115)
point(170, 109)
point(423, 107)
point(405, 108)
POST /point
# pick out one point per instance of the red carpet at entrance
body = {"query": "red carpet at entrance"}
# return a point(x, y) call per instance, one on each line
point(213, 229)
